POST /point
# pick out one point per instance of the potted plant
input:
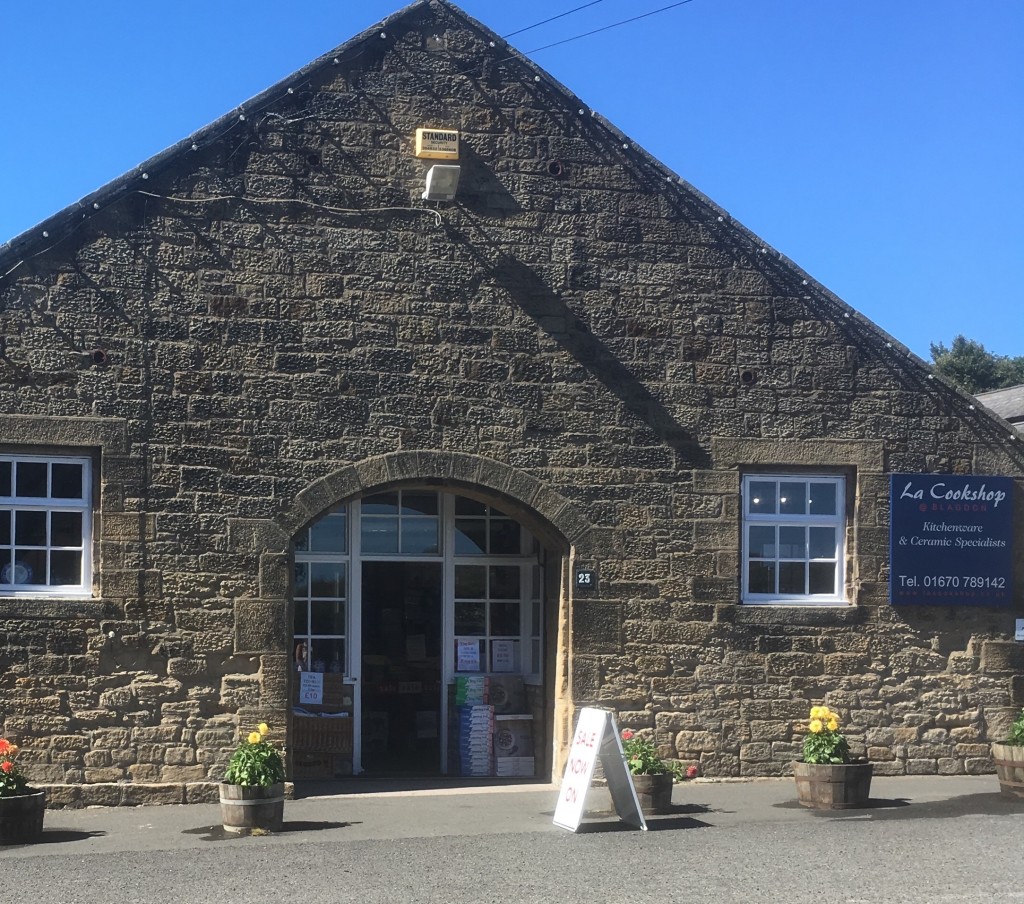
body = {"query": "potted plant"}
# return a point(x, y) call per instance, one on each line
point(652, 776)
point(252, 793)
point(21, 808)
point(828, 778)
point(1008, 757)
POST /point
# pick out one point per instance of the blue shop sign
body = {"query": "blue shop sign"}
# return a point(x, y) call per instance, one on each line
point(951, 540)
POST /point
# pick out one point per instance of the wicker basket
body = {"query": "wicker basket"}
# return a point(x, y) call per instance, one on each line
point(317, 734)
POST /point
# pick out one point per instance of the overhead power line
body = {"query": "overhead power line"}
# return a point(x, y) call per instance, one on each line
point(608, 27)
point(553, 18)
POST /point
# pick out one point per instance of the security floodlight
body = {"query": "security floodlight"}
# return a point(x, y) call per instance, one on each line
point(442, 182)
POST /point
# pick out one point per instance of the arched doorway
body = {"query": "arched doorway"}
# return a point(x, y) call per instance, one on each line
point(408, 599)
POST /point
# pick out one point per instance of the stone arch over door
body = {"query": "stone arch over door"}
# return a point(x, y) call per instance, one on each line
point(262, 625)
point(555, 519)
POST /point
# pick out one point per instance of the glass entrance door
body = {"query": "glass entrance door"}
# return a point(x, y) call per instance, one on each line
point(401, 664)
point(398, 596)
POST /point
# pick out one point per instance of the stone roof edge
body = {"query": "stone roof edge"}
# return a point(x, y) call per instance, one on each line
point(32, 241)
point(23, 244)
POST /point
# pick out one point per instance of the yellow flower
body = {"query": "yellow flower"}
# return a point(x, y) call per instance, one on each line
point(255, 737)
point(264, 728)
point(815, 726)
point(832, 724)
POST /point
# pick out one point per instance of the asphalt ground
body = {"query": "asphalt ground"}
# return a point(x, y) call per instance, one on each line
point(922, 839)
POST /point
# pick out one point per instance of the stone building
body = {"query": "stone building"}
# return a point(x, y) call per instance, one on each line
point(266, 412)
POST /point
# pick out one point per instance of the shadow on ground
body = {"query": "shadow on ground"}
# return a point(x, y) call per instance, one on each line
point(397, 785)
point(989, 804)
point(218, 833)
point(676, 817)
point(59, 836)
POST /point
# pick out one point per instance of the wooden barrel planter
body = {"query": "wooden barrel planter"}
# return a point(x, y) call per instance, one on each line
point(1009, 763)
point(248, 808)
point(833, 787)
point(654, 793)
point(21, 817)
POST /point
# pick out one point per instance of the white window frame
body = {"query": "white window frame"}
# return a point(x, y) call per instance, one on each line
point(49, 504)
point(777, 519)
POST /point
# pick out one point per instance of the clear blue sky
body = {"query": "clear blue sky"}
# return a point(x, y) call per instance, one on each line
point(877, 143)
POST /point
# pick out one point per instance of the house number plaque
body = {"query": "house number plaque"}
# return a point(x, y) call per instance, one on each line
point(586, 580)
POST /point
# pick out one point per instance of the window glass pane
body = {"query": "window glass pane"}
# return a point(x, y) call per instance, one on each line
point(470, 536)
point(301, 617)
point(505, 538)
point(762, 542)
point(823, 543)
point(301, 579)
point(419, 536)
point(419, 503)
point(823, 499)
point(761, 498)
point(792, 577)
point(381, 504)
point(29, 567)
point(379, 535)
point(65, 567)
point(327, 617)
point(822, 577)
point(31, 478)
point(330, 653)
point(464, 506)
point(470, 582)
point(761, 577)
point(792, 498)
point(328, 534)
point(5, 478)
point(5, 528)
point(66, 481)
point(302, 541)
point(327, 579)
point(30, 528)
point(471, 619)
point(792, 543)
point(65, 529)
point(535, 620)
point(504, 582)
point(505, 620)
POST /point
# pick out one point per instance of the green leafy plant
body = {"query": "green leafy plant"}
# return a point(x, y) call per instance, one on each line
point(256, 762)
point(12, 781)
point(1016, 738)
point(824, 742)
point(643, 759)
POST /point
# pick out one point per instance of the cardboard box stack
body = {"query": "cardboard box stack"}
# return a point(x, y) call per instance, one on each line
point(476, 732)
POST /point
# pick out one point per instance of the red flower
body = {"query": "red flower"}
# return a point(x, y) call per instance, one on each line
point(7, 766)
point(5, 746)
point(691, 771)
point(627, 734)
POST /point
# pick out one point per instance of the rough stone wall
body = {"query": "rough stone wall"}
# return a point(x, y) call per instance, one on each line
point(277, 305)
